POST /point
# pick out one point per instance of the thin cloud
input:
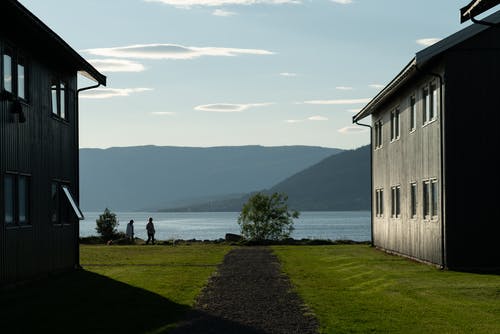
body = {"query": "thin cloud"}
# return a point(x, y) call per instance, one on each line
point(343, 2)
point(107, 93)
point(229, 107)
point(338, 102)
point(288, 74)
point(318, 118)
point(163, 113)
point(427, 41)
point(116, 65)
point(354, 111)
point(223, 13)
point(293, 121)
point(352, 130)
point(376, 86)
point(211, 3)
point(171, 51)
point(344, 88)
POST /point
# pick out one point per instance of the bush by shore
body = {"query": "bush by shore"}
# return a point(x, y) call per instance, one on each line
point(96, 240)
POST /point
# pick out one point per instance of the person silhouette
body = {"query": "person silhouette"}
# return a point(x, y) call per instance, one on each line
point(150, 228)
point(130, 230)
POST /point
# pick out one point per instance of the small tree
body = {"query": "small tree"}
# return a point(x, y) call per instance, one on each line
point(266, 217)
point(106, 225)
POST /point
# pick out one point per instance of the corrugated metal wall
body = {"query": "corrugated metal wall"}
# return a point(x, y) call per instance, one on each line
point(414, 157)
point(45, 148)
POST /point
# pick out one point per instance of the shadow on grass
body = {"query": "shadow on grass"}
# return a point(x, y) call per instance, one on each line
point(85, 302)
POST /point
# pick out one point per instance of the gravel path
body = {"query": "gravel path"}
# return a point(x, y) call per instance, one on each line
point(249, 294)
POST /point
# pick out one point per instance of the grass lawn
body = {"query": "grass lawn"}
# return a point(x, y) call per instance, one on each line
point(123, 289)
point(357, 289)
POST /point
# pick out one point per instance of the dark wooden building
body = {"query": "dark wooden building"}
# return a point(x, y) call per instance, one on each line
point(38, 146)
point(435, 153)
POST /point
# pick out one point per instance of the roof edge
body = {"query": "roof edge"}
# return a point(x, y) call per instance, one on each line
point(395, 83)
point(83, 65)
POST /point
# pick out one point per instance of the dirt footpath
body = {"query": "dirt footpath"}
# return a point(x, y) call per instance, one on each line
point(249, 294)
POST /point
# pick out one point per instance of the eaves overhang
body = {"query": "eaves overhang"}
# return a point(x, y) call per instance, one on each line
point(421, 59)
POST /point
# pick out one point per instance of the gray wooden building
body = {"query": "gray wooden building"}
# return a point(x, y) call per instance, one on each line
point(435, 146)
point(38, 146)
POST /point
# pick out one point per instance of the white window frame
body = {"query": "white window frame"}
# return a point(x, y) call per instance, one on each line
point(413, 200)
point(59, 102)
point(431, 200)
point(430, 102)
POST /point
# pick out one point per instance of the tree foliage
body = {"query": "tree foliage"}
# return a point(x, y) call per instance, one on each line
point(266, 217)
point(106, 225)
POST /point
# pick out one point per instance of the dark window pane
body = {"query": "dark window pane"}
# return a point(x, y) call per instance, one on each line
point(55, 108)
point(398, 201)
point(425, 98)
point(413, 113)
point(397, 123)
point(392, 125)
point(425, 198)
point(413, 199)
point(21, 82)
point(63, 101)
point(433, 102)
point(434, 198)
point(381, 202)
point(7, 73)
point(23, 198)
point(9, 199)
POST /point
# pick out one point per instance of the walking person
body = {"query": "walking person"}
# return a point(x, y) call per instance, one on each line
point(130, 230)
point(150, 228)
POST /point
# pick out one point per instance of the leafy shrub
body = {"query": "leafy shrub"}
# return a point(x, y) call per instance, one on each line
point(266, 217)
point(106, 225)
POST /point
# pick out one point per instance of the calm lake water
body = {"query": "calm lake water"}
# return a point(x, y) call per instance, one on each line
point(334, 225)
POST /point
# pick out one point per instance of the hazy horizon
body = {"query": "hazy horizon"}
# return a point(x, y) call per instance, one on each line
point(210, 73)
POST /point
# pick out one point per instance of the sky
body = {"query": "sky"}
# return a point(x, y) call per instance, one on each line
point(240, 72)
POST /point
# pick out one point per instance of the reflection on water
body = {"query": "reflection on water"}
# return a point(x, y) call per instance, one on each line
point(334, 225)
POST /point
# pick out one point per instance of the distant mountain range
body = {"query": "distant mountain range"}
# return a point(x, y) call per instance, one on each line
point(340, 182)
point(151, 177)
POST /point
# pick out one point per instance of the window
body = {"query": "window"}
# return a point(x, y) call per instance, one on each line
point(413, 113)
point(16, 199)
point(413, 200)
point(378, 134)
point(379, 202)
point(21, 81)
point(58, 98)
point(425, 200)
point(434, 198)
point(64, 207)
point(430, 198)
point(425, 106)
point(14, 74)
point(430, 103)
point(395, 201)
point(9, 199)
point(395, 124)
point(434, 102)
point(7, 73)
